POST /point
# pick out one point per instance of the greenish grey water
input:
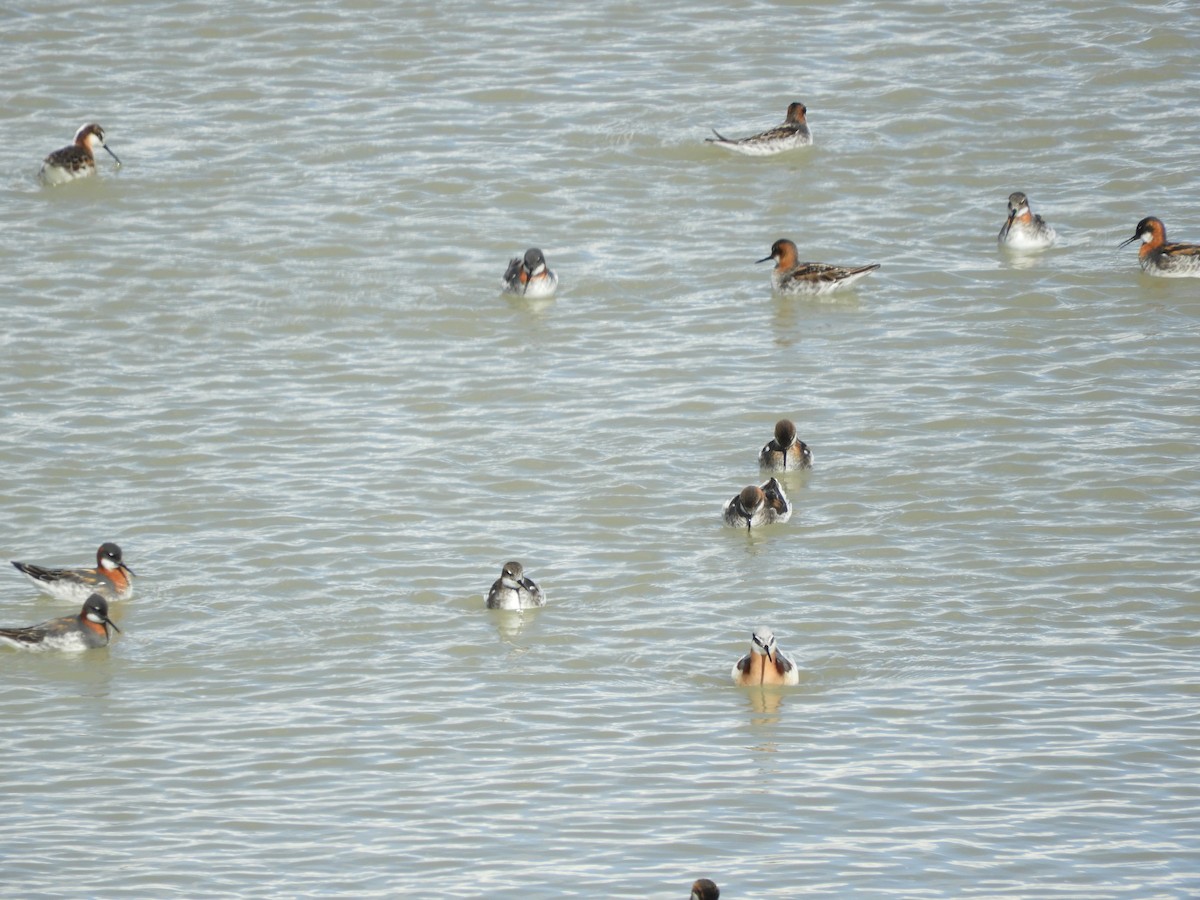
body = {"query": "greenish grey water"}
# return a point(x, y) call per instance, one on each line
point(268, 356)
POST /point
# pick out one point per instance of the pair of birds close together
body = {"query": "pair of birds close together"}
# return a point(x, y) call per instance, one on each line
point(766, 503)
point(94, 587)
point(791, 276)
point(1024, 230)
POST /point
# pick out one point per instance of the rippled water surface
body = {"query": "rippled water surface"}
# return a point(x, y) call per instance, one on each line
point(268, 356)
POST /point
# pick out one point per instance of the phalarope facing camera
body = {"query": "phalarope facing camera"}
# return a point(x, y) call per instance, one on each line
point(1023, 230)
point(765, 663)
point(512, 590)
point(530, 277)
point(757, 505)
point(785, 452)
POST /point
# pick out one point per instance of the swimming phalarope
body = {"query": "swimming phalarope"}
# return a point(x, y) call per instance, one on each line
point(110, 577)
point(86, 631)
point(529, 276)
point(758, 505)
point(1023, 230)
point(1157, 257)
point(765, 663)
point(785, 452)
point(791, 134)
point(77, 160)
point(512, 590)
point(793, 277)
point(704, 889)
